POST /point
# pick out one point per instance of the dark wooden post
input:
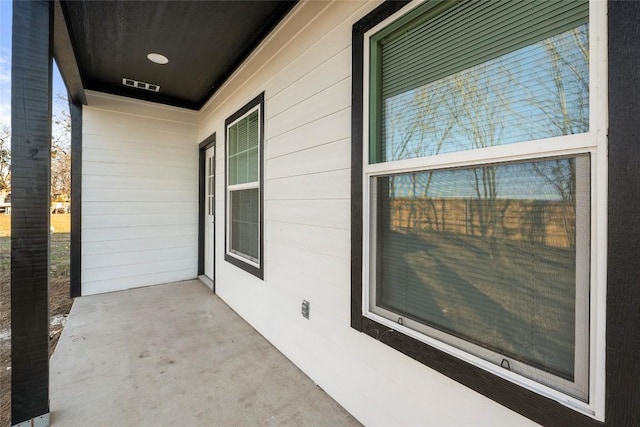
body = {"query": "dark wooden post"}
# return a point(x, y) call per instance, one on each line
point(30, 169)
point(622, 405)
point(76, 199)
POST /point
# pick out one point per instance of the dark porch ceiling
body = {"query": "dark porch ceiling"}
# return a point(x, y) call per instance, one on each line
point(205, 41)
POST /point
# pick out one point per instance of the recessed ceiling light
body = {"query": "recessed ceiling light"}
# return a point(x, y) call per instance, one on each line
point(157, 58)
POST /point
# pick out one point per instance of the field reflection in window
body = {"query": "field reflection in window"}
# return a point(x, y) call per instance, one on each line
point(487, 254)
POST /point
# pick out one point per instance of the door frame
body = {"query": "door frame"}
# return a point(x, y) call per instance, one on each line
point(202, 159)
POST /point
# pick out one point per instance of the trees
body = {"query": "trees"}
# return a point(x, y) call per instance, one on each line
point(5, 158)
point(60, 154)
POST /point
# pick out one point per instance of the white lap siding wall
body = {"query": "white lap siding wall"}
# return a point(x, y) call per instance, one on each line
point(304, 68)
point(139, 194)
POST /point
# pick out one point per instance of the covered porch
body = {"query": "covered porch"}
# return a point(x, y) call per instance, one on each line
point(175, 354)
point(255, 127)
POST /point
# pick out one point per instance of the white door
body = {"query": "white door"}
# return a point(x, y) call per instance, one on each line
point(209, 213)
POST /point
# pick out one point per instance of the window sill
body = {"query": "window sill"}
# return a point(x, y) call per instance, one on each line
point(245, 265)
point(526, 402)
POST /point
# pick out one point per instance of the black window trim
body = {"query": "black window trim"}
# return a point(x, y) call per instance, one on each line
point(249, 268)
point(521, 400)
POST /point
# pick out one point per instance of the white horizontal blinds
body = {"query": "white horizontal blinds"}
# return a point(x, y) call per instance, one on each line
point(523, 65)
point(243, 150)
point(244, 191)
point(232, 156)
point(469, 34)
point(252, 147)
point(488, 254)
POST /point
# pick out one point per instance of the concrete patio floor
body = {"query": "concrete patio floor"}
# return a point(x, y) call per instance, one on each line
point(173, 355)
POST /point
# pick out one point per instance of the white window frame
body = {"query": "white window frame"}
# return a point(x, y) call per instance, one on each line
point(245, 186)
point(593, 142)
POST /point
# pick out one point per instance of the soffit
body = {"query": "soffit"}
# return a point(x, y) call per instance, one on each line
point(205, 41)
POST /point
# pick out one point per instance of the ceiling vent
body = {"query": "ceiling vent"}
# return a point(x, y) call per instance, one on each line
point(140, 85)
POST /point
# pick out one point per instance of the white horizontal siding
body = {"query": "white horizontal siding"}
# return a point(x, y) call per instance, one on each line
point(140, 232)
point(315, 82)
point(100, 286)
point(114, 266)
point(146, 244)
point(135, 208)
point(122, 182)
point(323, 240)
point(331, 128)
point(131, 220)
point(152, 193)
point(139, 198)
point(333, 184)
point(318, 106)
point(314, 212)
point(150, 171)
point(153, 155)
point(323, 158)
point(306, 263)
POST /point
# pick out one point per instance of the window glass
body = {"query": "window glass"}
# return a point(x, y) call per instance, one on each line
point(487, 254)
point(243, 150)
point(468, 88)
point(245, 216)
point(252, 165)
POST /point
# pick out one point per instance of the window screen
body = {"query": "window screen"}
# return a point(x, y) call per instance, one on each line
point(488, 254)
point(245, 217)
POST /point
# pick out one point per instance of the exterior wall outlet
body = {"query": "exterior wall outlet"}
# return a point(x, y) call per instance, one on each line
point(305, 309)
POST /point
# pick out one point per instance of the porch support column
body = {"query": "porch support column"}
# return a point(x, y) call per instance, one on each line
point(622, 405)
point(31, 169)
point(75, 273)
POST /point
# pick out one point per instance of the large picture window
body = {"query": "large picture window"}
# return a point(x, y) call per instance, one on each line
point(244, 154)
point(481, 154)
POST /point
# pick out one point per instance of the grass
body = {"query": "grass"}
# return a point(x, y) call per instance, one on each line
point(60, 222)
